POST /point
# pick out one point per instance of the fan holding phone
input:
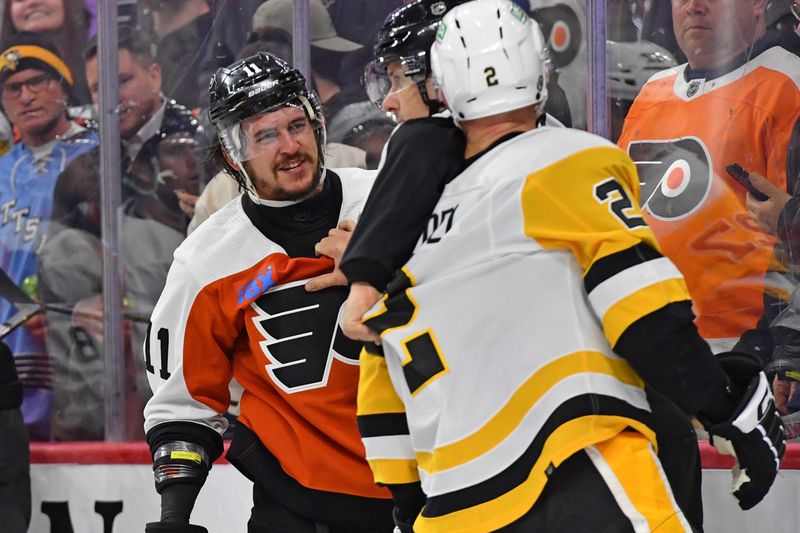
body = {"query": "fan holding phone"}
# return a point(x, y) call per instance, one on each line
point(764, 201)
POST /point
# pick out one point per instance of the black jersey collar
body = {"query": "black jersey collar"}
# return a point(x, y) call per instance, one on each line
point(298, 227)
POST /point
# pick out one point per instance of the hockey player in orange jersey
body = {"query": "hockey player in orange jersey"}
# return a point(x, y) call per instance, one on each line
point(237, 304)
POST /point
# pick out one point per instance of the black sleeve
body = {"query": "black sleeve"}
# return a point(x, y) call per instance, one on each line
point(422, 156)
point(198, 434)
point(408, 500)
point(666, 350)
point(10, 385)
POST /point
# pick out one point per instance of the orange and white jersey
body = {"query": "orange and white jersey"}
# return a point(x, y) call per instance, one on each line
point(234, 305)
point(682, 135)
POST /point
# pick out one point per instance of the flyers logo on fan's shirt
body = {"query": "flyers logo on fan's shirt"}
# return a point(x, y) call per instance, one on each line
point(675, 176)
point(682, 134)
point(563, 30)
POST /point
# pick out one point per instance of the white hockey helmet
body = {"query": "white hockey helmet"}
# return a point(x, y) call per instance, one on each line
point(489, 58)
point(630, 65)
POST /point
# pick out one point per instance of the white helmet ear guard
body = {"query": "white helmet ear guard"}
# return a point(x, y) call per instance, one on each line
point(489, 58)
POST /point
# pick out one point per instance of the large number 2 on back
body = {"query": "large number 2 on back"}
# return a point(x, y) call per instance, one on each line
point(424, 361)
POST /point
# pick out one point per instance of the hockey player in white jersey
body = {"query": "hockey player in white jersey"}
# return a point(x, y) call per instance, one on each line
point(517, 342)
point(236, 304)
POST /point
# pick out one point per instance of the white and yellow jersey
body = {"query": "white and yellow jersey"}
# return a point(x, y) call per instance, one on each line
point(497, 360)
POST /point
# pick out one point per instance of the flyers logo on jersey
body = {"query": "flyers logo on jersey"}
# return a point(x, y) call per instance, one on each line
point(301, 335)
point(675, 176)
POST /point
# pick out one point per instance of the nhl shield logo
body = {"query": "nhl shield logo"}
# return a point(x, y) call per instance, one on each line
point(438, 9)
point(693, 88)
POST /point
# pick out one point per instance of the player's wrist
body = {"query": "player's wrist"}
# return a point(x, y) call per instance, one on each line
point(719, 409)
point(180, 462)
point(177, 502)
point(180, 468)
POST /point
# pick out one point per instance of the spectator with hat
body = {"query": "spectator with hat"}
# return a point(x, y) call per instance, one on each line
point(35, 85)
point(65, 23)
point(328, 51)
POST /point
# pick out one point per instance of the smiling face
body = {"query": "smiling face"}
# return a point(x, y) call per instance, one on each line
point(284, 159)
point(37, 15)
point(36, 104)
point(713, 32)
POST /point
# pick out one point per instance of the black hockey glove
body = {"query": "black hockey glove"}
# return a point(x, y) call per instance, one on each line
point(402, 524)
point(173, 527)
point(753, 433)
point(408, 502)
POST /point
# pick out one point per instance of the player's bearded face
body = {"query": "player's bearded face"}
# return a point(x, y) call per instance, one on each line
point(285, 163)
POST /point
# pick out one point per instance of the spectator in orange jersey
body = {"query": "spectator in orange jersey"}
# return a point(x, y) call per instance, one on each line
point(736, 101)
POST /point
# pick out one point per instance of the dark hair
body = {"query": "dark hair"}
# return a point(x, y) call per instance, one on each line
point(70, 39)
point(217, 158)
point(130, 39)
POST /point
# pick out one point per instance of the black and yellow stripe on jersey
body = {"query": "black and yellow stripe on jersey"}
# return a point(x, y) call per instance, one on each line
point(382, 422)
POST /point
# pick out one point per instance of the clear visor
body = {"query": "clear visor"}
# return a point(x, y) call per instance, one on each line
point(382, 78)
point(262, 133)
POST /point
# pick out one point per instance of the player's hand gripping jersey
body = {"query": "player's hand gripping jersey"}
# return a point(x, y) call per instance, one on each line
point(234, 305)
point(681, 135)
point(538, 239)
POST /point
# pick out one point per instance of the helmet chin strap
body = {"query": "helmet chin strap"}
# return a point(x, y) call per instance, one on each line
point(434, 106)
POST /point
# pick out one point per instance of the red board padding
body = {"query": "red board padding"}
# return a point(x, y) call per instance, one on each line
point(713, 460)
point(123, 453)
point(96, 453)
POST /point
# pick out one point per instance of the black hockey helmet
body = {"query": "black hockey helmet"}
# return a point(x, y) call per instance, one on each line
point(255, 85)
point(406, 36)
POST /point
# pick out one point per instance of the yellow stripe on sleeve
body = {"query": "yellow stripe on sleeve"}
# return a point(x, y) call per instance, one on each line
point(376, 394)
point(394, 471)
point(641, 303)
